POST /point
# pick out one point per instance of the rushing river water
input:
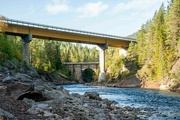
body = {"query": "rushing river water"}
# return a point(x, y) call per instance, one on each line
point(165, 103)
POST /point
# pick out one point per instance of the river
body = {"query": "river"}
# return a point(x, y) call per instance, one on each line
point(166, 104)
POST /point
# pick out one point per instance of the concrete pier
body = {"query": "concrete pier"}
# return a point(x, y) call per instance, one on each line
point(102, 74)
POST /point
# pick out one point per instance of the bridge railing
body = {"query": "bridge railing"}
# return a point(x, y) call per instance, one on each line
point(48, 27)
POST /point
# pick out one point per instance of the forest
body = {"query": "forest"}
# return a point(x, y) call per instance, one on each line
point(158, 43)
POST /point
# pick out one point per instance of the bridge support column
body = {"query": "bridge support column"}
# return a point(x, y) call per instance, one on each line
point(26, 39)
point(102, 74)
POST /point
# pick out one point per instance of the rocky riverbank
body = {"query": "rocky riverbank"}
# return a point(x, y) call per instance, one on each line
point(129, 82)
point(170, 82)
point(140, 79)
point(134, 82)
point(24, 94)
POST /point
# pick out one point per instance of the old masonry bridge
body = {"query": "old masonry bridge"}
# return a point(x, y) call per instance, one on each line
point(77, 69)
point(28, 30)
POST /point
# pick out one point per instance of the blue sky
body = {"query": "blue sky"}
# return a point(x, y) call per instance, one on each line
point(115, 17)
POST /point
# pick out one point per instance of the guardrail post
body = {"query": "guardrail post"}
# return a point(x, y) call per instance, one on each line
point(26, 39)
point(102, 74)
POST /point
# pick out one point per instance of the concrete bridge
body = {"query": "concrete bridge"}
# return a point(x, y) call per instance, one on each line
point(27, 31)
point(77, 68)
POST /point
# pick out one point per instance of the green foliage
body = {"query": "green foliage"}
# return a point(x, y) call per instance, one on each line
point(50, 55)
point(114, 68)
point(114, 63)
point(10, 48)
point(64, 72)
point(131, 60)
point(173, 31)
point(158, 43)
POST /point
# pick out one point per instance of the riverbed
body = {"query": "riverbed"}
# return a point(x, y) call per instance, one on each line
point(166, 104)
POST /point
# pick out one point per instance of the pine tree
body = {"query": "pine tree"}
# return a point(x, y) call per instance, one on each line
point(141, 45)
point(159, 39)
point(173, 32)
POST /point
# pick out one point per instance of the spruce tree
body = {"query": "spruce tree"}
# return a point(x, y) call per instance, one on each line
point(173, 32)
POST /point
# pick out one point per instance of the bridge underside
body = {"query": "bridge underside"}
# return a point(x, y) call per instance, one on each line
point(64, 36)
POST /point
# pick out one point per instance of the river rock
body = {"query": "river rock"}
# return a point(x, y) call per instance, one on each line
point(39, 88)
point(2, 69)
point(42, 83)
point(54, 94)
point(23, 77)
point(66, 92)
point(48, 114)
point(42, 106)
point(92, 95)
point(8, 79)
point(76, 95)
point(5, 115)
point(16, 89)
point(29, 101)
point(34, 110)
point(2, 87)
point(166, 83)
point(1, 75)
point(163, 87)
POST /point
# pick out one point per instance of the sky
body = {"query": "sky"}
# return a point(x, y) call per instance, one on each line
point(114, 17)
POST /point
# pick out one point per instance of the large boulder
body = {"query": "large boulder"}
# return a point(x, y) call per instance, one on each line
point(92, 95)
point(18, 88)
point(36, 92)
point(40, 93)
point(23, 78)
point(8, 79)
point(37, 83)
point(54, 94)
point(172, 80)
point(167, 83)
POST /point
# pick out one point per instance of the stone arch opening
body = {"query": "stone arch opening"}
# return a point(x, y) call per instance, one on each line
point(88, 75)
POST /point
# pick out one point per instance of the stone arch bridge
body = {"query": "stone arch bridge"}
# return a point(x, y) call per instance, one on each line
point(77, 68)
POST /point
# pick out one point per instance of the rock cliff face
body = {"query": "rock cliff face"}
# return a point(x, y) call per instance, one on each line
point(172, 80)
point(169, 82)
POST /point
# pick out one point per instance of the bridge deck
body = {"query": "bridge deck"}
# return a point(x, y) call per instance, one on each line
point(19, 28)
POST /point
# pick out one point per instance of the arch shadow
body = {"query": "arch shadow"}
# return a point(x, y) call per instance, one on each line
point(88, 75)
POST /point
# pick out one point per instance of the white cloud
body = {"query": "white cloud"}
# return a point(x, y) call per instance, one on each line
point(135, 5)
point(57, 6)
point(92, 9)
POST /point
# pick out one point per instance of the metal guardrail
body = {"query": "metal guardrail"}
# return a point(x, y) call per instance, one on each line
point(60, 29)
